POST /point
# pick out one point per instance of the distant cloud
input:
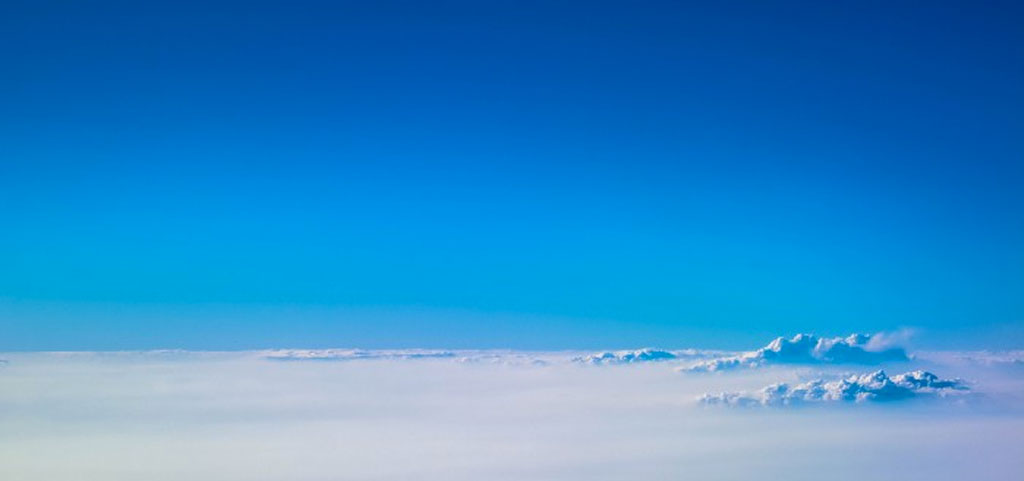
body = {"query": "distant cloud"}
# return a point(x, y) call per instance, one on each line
point(810, 349)
point(502, 358)
point(634, 356)
point(468, 356)
point(353, 354)
point(875, 386)
point(994, 358)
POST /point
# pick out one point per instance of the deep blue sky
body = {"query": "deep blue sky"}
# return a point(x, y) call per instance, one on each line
point(508, 174)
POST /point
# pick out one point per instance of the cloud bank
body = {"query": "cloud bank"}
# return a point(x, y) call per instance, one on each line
point(810, 349)
point(227, 416)
point(875, 386)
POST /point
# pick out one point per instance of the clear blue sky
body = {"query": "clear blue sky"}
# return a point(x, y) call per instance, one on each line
point(215, 175)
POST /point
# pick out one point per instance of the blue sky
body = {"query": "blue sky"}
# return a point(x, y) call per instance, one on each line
point(488, 174)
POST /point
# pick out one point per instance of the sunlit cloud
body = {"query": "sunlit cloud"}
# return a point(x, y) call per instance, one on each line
point(811, 349)
point(875, 387)
point(634, 356)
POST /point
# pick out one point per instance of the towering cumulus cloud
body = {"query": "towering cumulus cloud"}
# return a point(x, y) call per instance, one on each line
point(875, 386)
point(810, 349)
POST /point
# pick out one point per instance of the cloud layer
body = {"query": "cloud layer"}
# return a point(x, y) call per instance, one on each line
point(810, 349)
point(875, 386)
point(397, 415)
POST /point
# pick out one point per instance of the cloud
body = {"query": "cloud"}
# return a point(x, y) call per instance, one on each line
point(634, 356)
point(509, 358)
point(875, 386)
point(994, 358)
point(885, 340)
point(501, 358)
point(810, 349)
point(353, 354)
point(413, 418)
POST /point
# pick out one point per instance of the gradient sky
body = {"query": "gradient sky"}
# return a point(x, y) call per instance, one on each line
point(214, 175)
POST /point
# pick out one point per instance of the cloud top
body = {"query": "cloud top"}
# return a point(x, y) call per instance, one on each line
point(871, 387)
point(810, 349)
point(630, 356)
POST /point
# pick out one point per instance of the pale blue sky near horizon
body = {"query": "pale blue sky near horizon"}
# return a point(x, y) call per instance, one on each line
point(538, 175)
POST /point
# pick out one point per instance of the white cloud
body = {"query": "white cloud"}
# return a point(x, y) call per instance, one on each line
point(810, 349)
point(354, 354)
point(501, 358)
point(881, 341)
point(635, 356)
point(462, 356)
point(875, 386)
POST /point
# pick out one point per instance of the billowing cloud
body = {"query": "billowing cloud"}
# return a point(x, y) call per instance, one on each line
point(875, 386)
point(810, 349)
